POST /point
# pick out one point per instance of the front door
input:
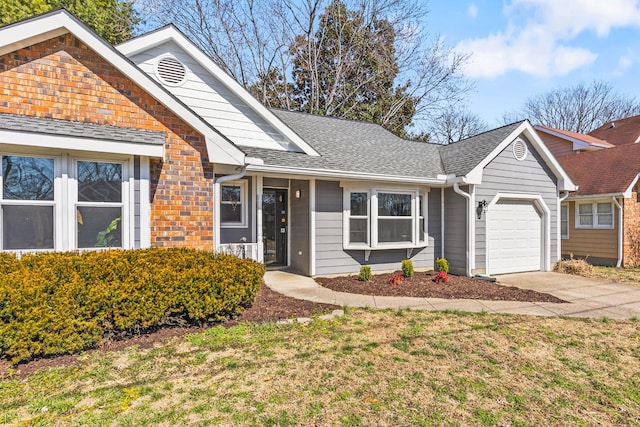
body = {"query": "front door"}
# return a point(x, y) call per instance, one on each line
point(274, 226)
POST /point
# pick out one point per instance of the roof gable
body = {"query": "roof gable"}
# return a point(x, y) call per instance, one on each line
point(601, 172)
point(171, 35)
point(58, 22)
point(580, 141)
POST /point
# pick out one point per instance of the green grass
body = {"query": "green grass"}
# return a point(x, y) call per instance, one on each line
point(387, 368)
point(627, 276)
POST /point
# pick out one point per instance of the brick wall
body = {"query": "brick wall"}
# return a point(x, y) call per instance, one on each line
point(631, 236)
point(64, 79)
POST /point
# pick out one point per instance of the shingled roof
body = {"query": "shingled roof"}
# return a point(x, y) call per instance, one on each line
point(610, 171)
point(353, 146)
point(619, 132)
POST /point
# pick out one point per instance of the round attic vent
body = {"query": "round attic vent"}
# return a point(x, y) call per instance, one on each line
point(170, 71)
point(519, 150)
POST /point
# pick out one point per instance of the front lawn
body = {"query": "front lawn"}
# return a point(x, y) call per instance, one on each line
point(627, 276)
point(392, 367)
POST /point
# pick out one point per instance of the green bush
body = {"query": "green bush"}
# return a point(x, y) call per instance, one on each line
point(365, 273)
point(442, 265)
point(407, 268)
point(55, 303)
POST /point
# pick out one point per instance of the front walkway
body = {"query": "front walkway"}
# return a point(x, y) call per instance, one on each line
point(587, 298)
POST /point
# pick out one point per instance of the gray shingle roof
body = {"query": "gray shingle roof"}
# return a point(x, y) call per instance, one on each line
point(461, 157)
point(79, 129)
point(351, 146)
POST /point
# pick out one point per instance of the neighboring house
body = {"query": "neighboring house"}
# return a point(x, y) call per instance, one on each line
point(619, 132)
point(601, 220)
point(564, 142)
point(151, 144)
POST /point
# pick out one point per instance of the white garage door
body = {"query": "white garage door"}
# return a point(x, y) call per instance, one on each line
point(514, 237)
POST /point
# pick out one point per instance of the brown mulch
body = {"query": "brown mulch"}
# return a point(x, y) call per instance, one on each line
point(421, 285)
point(272, 306)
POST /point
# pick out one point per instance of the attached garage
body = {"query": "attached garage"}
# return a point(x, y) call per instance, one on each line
point(516, 234)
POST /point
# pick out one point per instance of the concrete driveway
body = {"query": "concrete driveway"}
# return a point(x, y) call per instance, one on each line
point(587, 297)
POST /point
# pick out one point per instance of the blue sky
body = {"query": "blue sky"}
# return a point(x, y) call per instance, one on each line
point(521, 48)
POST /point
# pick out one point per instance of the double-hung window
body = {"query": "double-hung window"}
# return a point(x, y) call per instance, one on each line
point(384, 218)
point(233, 204)
point(99, 205)
point(27, 203)
point(594, 215)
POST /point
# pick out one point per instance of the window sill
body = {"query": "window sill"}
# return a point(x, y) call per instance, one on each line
point(596, 227)
point(367, 249)
point(232, 225)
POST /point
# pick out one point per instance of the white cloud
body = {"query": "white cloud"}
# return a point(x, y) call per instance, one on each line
point(472, 11)
point(540, 37)
point(625, 62)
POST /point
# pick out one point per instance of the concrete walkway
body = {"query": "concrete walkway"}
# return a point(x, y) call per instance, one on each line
point(586, 298)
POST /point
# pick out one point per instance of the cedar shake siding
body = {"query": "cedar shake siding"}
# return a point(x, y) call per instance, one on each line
point(62, 78)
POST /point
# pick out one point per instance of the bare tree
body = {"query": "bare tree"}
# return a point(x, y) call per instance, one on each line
point(257, 42)
point(454, 125)
point(578, 108)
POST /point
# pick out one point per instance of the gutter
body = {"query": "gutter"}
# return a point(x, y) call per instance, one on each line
point(217, 200)
point(620, 230)
point(471, 239)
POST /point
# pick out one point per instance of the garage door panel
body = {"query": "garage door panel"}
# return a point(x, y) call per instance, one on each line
point(514, 231)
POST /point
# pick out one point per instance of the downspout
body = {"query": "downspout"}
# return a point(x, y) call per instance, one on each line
point(559, 234)
point(441, 222)
point(216, 203)
point(620, 230)
point(470, 228)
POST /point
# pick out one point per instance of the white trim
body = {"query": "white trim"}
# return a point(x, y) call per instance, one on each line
point(545, 247)
point(258, 209)
point(244, 201)
point(170, 33)
point(628, 192)
point(470, 226)
point(145, 204)
point(157, 72)
point(65, 142)
point(312, 222)
point(620, 232)
point(59, 22)
point(564, 181)
point(594, 215)
point(442, 222)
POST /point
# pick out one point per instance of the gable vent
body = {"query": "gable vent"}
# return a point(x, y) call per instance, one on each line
point(170, 71)
point(519, 150)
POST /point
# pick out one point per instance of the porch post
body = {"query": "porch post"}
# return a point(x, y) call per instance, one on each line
point(258, 223)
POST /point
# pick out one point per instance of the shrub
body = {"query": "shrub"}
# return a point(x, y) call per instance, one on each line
point(441, 277)
point(407, 268)
point(365, 273)
point(578, 267)
point(442, 265)
point(55, 303)
point(396, 279)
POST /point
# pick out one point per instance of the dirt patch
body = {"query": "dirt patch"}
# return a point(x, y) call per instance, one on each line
point(421, 285)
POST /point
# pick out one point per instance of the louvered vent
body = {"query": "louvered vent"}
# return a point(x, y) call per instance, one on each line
point(170, 71)
point(519, 150)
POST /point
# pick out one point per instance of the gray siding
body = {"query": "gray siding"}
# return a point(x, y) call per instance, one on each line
point(331, 258)
point(434, 227)
point(455, 231)
point(136, 202)
point(508, 175)
point(234, 235)
point(300, 227)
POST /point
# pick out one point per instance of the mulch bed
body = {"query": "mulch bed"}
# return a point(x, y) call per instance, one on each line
point(421, 285)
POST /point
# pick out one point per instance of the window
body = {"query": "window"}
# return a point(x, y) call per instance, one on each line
point(27, 203)
point(564, 221)
point(380, 218)
point(233, 204)
point(594, 215)
point(99, 205)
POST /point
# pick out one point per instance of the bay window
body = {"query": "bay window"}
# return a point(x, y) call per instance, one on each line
point(383, 218)
point(594, 215)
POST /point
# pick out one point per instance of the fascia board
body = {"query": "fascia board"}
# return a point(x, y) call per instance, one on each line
point(170, 33)
point(346, 175)
point(61, 22)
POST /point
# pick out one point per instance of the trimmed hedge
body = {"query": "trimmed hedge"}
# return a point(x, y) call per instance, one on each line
point(56, 303)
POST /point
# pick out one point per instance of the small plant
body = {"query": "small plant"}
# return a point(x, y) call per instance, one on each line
point(365, 274)
point(442, 265)
point(407, 268)
point(396, 279)
point(441, 277)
